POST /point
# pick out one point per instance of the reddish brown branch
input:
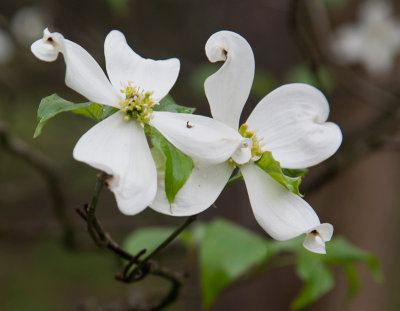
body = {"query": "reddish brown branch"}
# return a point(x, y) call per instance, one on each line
point(137, 268)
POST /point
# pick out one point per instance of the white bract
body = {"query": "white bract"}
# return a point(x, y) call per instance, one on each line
point(290, 122)
point(373, 41)
point(116, 145)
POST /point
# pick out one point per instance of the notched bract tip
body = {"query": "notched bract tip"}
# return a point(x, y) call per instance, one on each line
point(316, 238)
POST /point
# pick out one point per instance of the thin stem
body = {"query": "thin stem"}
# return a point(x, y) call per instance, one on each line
point(172, 237)
point(105, 238)
point(173, 293)
point(237, 177)
point(91, 209)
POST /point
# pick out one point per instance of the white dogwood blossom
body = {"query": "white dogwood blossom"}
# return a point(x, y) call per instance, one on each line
point(290, 122)
point(373, 41)
point(116, 145)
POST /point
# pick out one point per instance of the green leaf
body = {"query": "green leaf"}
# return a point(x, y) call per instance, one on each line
point(227, 251)
point(292, 172)
point(147, 238)
point(340, 251)
point(273, 168)
point(168, 104)
point(107, 111)
point(52, 105)
point(353, 280)
point(192, 237)
point(178, 166)
point(317, 278)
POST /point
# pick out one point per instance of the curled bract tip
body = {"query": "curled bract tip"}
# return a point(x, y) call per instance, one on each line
point(229, 87)
point(316, 238)
point(48, 47)
point(221, 43)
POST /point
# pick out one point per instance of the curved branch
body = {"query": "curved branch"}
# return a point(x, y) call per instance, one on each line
point(136, 269)
point(22, 150)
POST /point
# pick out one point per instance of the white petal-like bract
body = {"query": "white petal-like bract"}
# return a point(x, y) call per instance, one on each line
point(291, 121)
point(83, 73)
point(48, 47)
point(200, 191)
point(124, 65)
point(120, 149)
point(281, 213)
point(197, 136)
point(316, 238)
point(228, 89)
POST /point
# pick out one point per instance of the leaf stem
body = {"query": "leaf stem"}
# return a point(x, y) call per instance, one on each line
point(172, 237)
point(98, 238)
point(237, 177)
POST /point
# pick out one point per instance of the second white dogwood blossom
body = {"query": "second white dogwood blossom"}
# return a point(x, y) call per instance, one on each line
point(373, 41)
point(290, 122)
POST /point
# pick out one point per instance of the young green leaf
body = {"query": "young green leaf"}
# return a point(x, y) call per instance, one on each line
point(107, 111)
point(178, 166)
point(147, 238)
point(292, 172)
point(227, 251)
point(317, 278)
point(168, 104)
point(52, 105)
point(341, 252)
point(316, 270)
point(273, 168)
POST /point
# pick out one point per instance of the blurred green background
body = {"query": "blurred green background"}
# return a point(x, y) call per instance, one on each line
point(38, 273)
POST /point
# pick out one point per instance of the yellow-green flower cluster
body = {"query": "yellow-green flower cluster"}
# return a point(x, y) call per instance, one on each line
point(256, 150)
point(138, 104)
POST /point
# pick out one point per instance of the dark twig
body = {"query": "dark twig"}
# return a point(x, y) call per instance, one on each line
point(173, 293)
point(136, 269)
point(19, 148)
point(102, 238)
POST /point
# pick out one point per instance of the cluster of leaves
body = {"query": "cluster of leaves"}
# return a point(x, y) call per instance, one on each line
point(228, 253)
